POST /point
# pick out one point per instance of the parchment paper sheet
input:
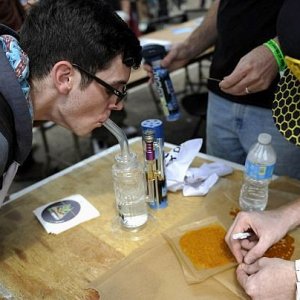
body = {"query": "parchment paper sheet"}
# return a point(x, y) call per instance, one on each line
point(154, 273)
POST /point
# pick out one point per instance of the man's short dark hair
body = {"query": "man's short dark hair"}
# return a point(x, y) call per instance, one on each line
point(86, 32)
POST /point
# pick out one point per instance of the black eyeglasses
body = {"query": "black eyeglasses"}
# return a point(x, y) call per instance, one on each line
point(120, 95)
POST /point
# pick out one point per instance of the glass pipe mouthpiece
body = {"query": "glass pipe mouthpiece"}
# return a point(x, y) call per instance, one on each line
point(120, 136)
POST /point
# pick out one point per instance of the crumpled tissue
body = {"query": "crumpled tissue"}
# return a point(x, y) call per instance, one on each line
point(192, 181)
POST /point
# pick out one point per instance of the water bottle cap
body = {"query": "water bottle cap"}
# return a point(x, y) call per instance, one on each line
point(264, 138)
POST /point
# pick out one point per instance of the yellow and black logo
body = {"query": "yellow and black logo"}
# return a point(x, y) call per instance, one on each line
point(286, 107)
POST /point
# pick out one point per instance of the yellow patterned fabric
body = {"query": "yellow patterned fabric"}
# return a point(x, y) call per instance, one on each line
point(286, 106)
point(294, 65)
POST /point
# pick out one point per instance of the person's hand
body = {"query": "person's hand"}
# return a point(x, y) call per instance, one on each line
point(268, 278)
point(176, 58)
point(267, 228)
point(254, 73)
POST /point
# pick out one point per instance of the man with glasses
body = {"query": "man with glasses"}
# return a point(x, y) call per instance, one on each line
point(70, 66)
point(261, 277)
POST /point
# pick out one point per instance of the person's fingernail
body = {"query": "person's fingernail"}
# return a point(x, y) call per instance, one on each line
point(241, 266)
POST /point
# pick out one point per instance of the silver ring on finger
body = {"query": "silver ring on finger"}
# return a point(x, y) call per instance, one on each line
point(247, 91)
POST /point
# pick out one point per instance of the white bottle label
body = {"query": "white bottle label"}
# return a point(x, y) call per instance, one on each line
point(259, 172)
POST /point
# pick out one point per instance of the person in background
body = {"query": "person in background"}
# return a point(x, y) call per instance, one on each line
point(101, 138)
point(244, 74)
point(262, 277)
point(70, 66)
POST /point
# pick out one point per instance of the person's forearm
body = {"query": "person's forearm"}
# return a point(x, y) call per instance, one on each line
point(205, 35)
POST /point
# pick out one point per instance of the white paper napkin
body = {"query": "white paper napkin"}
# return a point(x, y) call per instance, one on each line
point(205, 170)
point(202, 188)
point(192, 181)
point(179, 159)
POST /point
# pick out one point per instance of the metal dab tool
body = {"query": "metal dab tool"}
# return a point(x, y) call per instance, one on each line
point(241, 235)
point(213, 79)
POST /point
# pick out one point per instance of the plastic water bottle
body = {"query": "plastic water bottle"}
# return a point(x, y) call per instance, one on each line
point(130, 191)
point(259, 169)
point(153, 54)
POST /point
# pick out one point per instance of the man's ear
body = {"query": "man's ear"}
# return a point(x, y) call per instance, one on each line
point(62, 75)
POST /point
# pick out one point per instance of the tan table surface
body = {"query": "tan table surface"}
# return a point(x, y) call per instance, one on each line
point(36, 265)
